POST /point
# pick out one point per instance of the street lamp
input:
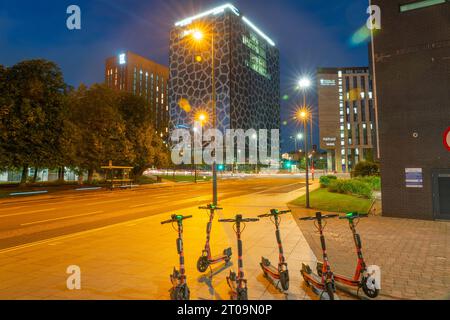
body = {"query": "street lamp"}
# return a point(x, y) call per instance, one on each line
point(200, 118)
point(198, 36)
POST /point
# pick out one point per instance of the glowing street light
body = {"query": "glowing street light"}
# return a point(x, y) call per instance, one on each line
point(304, 83)
point(197, 35)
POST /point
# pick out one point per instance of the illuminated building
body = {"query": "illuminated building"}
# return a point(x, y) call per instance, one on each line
point(135, 74)
point(247, 76)
point(346, 116)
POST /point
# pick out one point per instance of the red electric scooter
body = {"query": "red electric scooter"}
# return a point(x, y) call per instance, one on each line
point(281, 273)
point(237, 283)
point(180, 290)
point(324, 281)
point(206, 259)
point(362, 278)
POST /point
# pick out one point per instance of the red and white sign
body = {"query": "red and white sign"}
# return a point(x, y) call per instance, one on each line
point(447, 138)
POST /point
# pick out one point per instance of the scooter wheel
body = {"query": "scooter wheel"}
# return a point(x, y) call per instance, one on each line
point(284, 280)
point(242, 294)
point(329, 288)
point(370, 292)
point(180, 293)
point(202, 264)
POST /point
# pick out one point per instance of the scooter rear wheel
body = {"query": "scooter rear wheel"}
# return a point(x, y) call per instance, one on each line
point(202, 264)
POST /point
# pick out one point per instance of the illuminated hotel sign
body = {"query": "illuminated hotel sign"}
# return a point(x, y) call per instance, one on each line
point(329, 141)
point(122, 58)
point(325, 82)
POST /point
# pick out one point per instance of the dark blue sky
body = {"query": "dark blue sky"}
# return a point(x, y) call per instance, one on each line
point(309, 34)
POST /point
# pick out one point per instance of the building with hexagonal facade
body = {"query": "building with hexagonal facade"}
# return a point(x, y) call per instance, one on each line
point(246, 68)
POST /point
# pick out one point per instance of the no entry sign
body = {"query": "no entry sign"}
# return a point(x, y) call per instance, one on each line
point(447, 138)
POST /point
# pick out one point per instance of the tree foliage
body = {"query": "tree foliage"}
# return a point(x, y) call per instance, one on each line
point(45, 124)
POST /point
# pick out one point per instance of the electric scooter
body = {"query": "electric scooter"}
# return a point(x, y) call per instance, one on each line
point(280, 273)
point(180, 290)
point(237, 283)
point(206, 259)
point(362, 278)
point(324, 281)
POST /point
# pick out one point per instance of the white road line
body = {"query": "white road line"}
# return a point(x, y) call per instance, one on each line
point(27, 212)
point(140, 205)
point(62, 218)
point(109, 201)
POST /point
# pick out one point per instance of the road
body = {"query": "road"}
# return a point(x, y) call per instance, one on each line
point(37, 218)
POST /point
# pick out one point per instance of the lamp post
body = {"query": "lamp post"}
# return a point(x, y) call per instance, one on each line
point(304, 115)
point(201, 119)
point(198, 36)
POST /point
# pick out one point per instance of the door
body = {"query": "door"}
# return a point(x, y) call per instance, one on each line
point(441, 194)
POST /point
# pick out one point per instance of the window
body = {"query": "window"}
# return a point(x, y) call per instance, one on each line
point(363, 83)
point(420, 5)
point(355, 82)
point(363, 110)
point(365, 133)
point(355, 111)
point(371, 110)
point(258, 58)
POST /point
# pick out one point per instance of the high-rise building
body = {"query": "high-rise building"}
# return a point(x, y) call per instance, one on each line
point(412, 75)
point(346, 116)
point(135, 74)
point(246, 67)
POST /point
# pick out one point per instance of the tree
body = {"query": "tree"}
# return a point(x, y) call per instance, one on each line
point(366, 168)
point(95, 131)
point(148, 148)
point(31, 115)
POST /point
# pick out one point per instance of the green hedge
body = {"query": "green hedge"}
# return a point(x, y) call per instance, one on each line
point(374, 182)
point(351, 186)
point(325, 180)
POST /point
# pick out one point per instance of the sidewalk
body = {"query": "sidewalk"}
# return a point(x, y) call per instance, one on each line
point(414, 255)
point(133, 260)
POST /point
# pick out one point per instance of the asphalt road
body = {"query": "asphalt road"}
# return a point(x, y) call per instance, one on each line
point(25, 220)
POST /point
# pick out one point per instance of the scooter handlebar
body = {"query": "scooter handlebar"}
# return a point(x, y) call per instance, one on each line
point(176, 218)
point(354, 215)
point(241, 220)
point(210, 207)
point(274, 212)
point(328, 216)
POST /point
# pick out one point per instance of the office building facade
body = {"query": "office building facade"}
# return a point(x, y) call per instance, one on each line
point(247, 76)
point(346, 116)
point(412, 72)
point(135, 74)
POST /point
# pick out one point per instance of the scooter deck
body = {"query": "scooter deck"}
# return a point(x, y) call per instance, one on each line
point(271, 270)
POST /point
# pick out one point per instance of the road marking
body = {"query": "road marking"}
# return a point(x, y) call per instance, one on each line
point(12, 208)
point(27, 212)
point(139, 205)
point(109, 201)
point(61, 218)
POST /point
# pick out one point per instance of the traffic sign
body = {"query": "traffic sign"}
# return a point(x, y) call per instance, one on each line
point(447, 138)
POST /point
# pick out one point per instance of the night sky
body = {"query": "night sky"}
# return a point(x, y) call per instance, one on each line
point(309, 34)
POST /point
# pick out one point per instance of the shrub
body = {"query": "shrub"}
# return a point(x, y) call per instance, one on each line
point(325, 180)
point(351, 186)
point(365, 168)
point(374, 182)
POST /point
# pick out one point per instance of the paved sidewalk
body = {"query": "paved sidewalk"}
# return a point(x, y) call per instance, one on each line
point(414, 255)
point(133, 260)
